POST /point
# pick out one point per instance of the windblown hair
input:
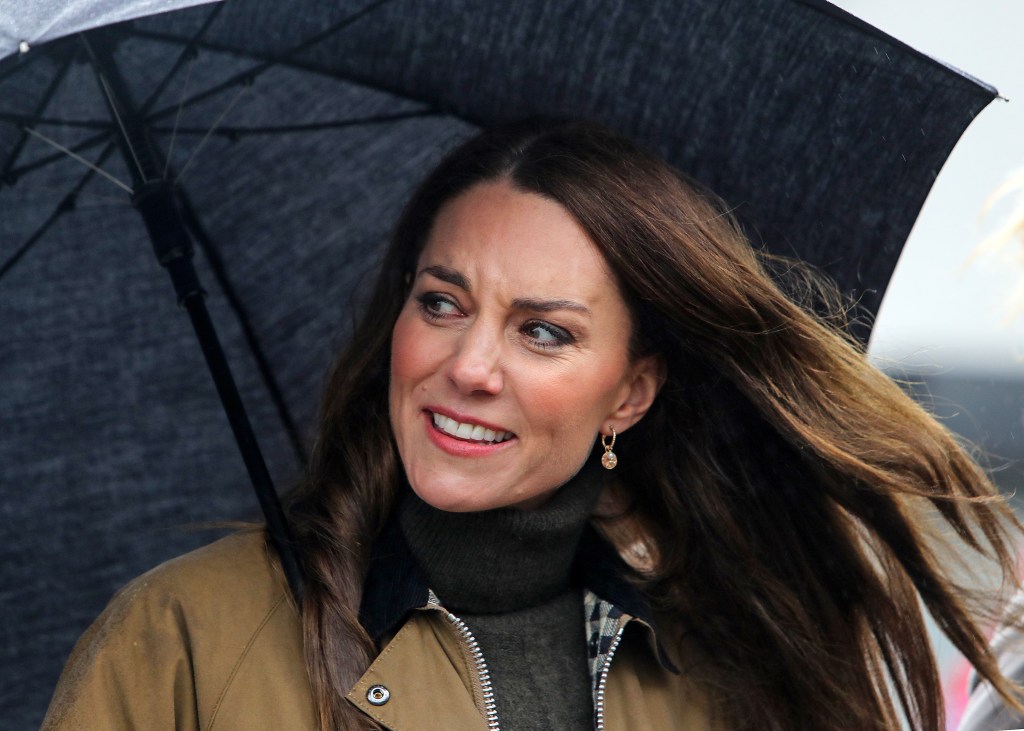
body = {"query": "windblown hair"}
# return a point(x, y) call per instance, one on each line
point(780, 485)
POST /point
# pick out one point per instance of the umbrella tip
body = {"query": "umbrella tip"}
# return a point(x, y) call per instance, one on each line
point(24, 47)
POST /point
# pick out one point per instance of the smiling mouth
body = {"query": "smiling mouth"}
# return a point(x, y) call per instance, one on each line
point(469, 432)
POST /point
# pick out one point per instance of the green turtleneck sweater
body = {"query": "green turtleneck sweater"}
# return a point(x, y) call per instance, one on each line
point(506, 573)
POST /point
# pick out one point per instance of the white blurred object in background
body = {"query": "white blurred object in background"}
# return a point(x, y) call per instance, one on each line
point(937, 314)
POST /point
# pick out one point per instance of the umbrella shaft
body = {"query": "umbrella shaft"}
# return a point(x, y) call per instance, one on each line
point(185, 280)
point(156, 201)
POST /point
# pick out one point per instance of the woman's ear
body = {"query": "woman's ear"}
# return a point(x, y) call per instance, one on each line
point(647, 376)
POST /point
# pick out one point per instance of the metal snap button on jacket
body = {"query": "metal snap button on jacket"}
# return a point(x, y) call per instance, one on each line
point(378, 695)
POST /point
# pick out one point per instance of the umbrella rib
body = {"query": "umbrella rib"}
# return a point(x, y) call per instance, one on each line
point(177, 117)
point(187, 53)
point(55, 83)
point(112, 104)
point(234, 301)
point(351, 78)
point(21, 119)
point(66, 204)
point(216, 123)
point(120, 123)
point(227, 131)
point(265, 64)
point(79, 158)
point(43, 162)
point(50, 189)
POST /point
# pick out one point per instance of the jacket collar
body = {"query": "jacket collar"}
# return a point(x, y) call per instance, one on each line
point(395, 585)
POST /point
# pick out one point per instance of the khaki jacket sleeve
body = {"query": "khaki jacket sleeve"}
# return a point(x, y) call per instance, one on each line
point(132, 669)
point(209, 641)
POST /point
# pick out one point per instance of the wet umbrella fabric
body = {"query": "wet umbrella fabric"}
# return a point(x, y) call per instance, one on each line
point(825, 138)
point(24, 25)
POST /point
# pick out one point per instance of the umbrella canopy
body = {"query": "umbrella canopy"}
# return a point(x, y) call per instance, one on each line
point(295, 131)
point(24, 25)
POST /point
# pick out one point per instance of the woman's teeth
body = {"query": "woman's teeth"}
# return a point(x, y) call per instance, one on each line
point(473, 432)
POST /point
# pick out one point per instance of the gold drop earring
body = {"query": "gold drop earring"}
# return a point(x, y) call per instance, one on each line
point(608, 459)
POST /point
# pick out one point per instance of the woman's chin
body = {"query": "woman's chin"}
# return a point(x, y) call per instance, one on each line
point(458, 498)
point(453, 498)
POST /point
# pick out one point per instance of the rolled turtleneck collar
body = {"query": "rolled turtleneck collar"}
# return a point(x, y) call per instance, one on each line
point(505, 559)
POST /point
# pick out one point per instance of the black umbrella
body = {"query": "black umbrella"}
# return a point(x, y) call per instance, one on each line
point(294, 131)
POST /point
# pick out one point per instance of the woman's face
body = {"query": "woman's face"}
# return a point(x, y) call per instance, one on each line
point(510, 354)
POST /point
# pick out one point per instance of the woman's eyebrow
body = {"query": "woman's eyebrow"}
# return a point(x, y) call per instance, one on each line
point(532, 304)
point(445, 274)
point(546, 305)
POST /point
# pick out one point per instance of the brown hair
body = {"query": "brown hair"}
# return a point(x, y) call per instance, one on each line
point(779, 481)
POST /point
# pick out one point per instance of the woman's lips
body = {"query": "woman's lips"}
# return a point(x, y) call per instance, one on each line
point(463, 418)
point(469, 430)
point(464, 446)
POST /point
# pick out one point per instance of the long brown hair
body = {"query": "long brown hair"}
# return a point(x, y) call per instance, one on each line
point(780, 483)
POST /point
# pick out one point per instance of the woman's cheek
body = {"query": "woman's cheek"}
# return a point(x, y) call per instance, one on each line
point(410, 351)
point(570, 402)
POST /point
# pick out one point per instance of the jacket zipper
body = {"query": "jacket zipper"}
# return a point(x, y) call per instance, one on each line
point(603, 680)
point(470, 643)
point(482, 673)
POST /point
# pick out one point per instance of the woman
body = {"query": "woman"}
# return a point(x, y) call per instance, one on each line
point(583, 464)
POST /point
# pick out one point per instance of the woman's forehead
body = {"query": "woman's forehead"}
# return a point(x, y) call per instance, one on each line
point(494, 234)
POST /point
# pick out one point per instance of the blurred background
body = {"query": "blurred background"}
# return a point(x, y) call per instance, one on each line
point(946, 324)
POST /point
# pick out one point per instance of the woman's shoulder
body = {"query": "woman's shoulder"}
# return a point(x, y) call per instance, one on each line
point(230, 584)
point(217, 575)
point(200, 636)
point(213, 603)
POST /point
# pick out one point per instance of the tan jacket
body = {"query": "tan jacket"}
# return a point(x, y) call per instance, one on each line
point(211, 641)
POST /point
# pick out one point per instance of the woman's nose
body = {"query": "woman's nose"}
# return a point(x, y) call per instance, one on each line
point(476, 365)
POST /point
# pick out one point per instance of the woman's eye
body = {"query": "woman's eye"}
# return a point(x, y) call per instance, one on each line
point(547, 335)
point(436, 305)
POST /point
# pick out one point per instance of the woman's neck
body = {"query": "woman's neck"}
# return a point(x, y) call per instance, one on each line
point(505, 559)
